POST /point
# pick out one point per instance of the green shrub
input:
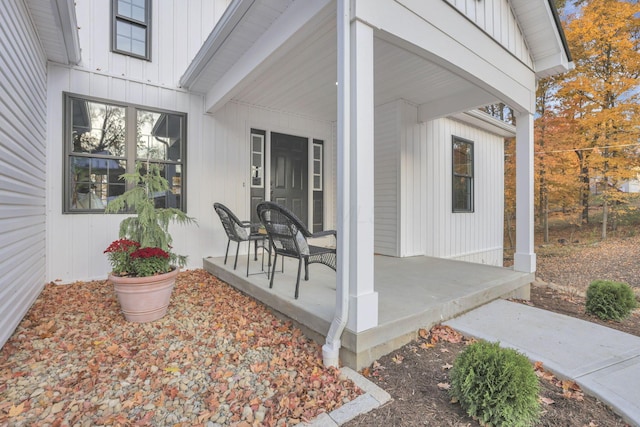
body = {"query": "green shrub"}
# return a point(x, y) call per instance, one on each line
point(610, 300)
point(495, 385)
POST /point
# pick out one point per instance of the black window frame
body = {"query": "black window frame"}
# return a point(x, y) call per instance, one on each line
point(177, 183)
point(146, 25)
point(466, 204)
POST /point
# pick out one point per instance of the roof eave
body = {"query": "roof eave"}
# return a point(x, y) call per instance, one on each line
point(66, 16)
point(223, 28)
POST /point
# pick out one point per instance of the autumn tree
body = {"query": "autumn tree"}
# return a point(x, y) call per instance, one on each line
point(556, 184)
point(601, 95)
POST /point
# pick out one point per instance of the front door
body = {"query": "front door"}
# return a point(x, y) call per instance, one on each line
point(289, 168)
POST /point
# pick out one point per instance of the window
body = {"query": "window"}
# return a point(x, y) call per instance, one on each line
point(257, 160)
point(131, 30)
point(462, 175)
point(104, 140)
point(317, 165)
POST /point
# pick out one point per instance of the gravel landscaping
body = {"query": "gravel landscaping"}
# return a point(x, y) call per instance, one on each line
point(217, 358)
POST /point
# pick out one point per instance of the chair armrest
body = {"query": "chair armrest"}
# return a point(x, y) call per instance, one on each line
point(324, 233)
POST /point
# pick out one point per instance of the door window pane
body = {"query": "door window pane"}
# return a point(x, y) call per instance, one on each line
point(257, 161)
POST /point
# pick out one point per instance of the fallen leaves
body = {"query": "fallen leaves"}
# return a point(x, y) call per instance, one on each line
point(445, 333)
point(217, 356)
point(570, 389)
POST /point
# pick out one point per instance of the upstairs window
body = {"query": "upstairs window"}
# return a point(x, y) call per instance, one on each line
point(131, 31)
point(462, 175)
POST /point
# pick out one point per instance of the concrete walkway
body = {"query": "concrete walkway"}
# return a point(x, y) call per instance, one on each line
point(603, 361)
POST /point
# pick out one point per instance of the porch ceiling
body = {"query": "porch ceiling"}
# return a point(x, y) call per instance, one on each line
point(303, 79)
point(304, 82)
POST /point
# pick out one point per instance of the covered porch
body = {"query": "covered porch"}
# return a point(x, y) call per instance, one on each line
point(414, 292)
point(374, 76)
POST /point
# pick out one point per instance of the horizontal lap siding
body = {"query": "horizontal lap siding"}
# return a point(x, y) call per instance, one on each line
point(22, 165)
point(476, 236)
point(386, 179)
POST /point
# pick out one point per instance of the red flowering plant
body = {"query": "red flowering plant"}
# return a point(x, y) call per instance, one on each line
point(150, 261)
point(119, 254)
point(127, 258)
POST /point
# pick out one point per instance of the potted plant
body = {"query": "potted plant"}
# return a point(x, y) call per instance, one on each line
point(144, 269)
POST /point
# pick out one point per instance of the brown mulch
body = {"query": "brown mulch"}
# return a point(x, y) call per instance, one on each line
point(417, 375)
point(218, 356)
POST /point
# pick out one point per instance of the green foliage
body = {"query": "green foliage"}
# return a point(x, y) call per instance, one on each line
point(495, 385)
point(610, 300)
point(150, 226)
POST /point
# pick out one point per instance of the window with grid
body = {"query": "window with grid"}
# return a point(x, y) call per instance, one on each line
point(462, 175)
point(131, 27)
point(103, 140)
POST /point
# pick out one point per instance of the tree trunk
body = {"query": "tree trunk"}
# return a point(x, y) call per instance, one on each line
point(584, 177)
point(605, 214)
point(545, 219)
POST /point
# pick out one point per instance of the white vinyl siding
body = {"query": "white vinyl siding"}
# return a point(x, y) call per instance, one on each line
point(87, 235)
point(413, 178)
point(496, 18)
point(231, 138)
point(23, 129)
point(178, 29)
point(386, 180)
point(476, 236)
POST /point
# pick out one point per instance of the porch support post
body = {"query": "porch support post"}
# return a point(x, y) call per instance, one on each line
point(363, 301)
point(525, 258)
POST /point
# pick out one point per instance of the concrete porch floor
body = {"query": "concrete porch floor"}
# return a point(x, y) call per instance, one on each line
point(413, 293)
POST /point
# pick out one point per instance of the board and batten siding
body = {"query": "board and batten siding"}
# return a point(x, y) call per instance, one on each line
point(230, 133)
point(496, 18)
point(477, 236)
point(178, 29)
point(23, 72)
point(413, 208)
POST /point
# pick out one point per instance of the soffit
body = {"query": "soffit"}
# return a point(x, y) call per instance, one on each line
point(544, 35)
point(56, 24)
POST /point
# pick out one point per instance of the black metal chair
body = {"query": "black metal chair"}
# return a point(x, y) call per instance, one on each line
point(239, 231)
point(288, 236)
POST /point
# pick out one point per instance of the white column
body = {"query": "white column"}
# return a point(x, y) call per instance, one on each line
point(525, 258)
point(363, 300)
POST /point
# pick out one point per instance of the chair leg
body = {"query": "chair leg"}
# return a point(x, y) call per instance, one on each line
point(273, 272)
point(298, 280)
point(255, 250)
point(237, 251)
point(249, 256)
point(306, 269)
point(227, 252)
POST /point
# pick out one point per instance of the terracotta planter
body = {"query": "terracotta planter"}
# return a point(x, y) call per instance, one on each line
point(144, 299)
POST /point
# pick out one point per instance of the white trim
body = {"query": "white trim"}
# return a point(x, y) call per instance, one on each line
point(225, 26)
point(525, 258)
point(484, 121)
point(66, 16)
point(268, 50)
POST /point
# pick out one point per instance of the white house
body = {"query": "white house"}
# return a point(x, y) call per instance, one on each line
point(373, 104)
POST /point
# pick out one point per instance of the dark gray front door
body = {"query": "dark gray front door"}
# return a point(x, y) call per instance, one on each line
point(289, 167)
